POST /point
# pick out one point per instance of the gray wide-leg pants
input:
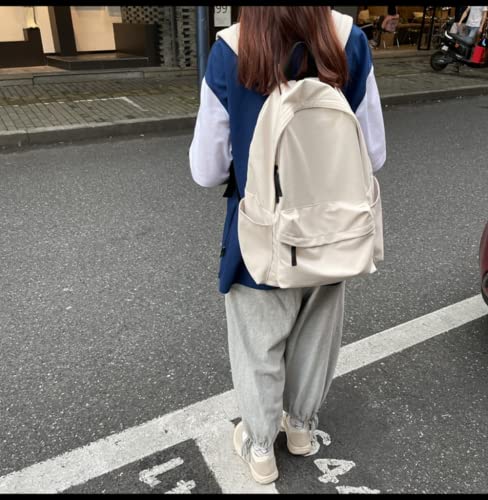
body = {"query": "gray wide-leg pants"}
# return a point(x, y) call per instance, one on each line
point(283, 347)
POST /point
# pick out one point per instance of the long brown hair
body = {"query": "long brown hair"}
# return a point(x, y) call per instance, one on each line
point(267, 35)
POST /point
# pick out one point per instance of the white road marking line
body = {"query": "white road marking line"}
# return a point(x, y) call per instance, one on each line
point(149, 476)
point(326, 441)
point(122, 98)
point(339, 467)
point(197, 421)
point(130, 101)
point(355, 489)
point(381, 345)
point(230, 471)
point(182, 487)
point(107, 454)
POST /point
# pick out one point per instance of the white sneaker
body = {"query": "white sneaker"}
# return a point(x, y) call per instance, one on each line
point(262, 463)
point(298, 439)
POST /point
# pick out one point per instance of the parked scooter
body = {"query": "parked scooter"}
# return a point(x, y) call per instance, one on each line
point(458, 49)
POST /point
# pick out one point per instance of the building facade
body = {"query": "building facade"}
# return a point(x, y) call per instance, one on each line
point(92, 37)
point(57, 35)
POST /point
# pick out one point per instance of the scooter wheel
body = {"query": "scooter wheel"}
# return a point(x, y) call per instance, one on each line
point(438, 61)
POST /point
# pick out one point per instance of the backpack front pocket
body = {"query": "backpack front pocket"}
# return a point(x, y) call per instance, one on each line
point(324, 243)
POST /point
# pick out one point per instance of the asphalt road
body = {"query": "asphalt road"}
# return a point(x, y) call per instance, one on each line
point(110, 314)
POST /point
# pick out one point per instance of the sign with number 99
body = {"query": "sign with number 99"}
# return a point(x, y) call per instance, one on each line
point(222, 16)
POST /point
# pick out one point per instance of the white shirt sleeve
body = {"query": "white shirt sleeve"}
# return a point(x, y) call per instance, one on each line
point(210, 150)
point(370, 117)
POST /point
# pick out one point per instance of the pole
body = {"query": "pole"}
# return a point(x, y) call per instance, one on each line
point(202, 41)
point(431, 29)
point(419, 42)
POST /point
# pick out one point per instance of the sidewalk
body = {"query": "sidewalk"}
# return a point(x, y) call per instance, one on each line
point(410, 79)
point(61, 106)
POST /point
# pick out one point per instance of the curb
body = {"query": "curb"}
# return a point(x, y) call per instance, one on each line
point(407, 54)
point(52, 135)
point(177, 124)
point(432, 95)
point(78, 76)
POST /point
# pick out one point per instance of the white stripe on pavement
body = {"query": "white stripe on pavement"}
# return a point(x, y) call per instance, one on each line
point(218, 451)
point(396, 339)
point(200, 420)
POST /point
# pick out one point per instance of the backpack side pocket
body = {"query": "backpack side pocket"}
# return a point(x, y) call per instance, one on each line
point(255, 230)
point(378, 253)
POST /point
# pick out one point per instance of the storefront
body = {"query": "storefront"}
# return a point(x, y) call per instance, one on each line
point(65, 36)
point(92, 37)
point(416, 26)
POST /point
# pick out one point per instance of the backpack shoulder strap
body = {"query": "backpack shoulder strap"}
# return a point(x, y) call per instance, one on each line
point(342, 22)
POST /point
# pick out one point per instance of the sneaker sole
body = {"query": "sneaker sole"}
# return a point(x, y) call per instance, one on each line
point(298, 450)
point(256, 476)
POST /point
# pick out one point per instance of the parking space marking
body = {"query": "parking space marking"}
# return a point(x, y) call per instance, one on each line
point(200, 420)
point(218, 452)
point(333, 467)
point(355, 489)
point(149, 476)
point(383, 344)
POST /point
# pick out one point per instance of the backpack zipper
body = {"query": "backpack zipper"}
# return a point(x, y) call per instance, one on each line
point(278, 194)
point(293, 256)
point(278, 191)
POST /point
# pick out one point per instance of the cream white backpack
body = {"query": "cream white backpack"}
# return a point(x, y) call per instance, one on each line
point(311, 211)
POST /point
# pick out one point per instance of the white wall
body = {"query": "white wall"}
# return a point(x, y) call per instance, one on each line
point(12, 23)
point(93, 27)
point(42, 19)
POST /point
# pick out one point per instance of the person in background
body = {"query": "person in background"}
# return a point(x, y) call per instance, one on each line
point(476, 20)
point(386, 24)
point(283, 343)
point(391, 20)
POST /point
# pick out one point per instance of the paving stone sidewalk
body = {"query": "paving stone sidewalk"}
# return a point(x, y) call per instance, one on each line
point(52, 112)
point(61, 104)
point(411, 79)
